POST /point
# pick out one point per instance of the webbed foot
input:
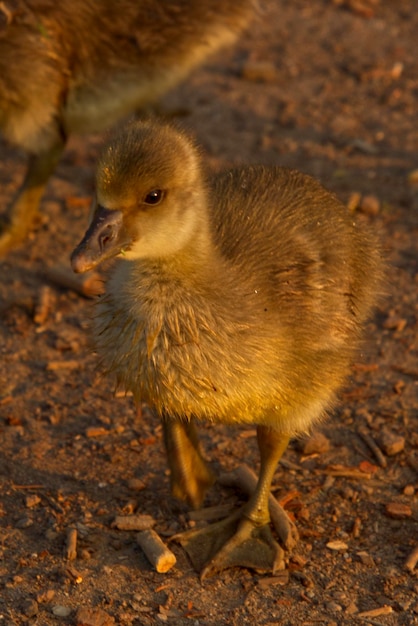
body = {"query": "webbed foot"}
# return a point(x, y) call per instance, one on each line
point(233, 542)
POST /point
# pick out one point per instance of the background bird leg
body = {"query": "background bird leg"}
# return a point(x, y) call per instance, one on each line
point(25, 206)
point(190, 475)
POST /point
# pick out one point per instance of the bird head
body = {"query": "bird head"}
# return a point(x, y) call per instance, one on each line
point(149, 195)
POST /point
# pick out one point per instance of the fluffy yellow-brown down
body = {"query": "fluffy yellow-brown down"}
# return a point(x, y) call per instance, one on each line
point(236, 297)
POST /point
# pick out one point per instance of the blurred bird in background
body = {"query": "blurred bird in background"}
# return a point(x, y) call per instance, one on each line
point(80, 66)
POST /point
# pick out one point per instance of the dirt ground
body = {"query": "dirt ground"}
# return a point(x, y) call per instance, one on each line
point(328, 87)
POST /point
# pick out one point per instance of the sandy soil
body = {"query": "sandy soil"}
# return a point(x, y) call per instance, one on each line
point(329, 87)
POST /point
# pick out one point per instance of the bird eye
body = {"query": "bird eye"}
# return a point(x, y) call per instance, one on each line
point(154, 197)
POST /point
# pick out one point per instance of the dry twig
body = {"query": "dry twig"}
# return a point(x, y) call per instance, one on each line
point(372, 445)
point(156, 551)
point(88, 285)
point(71, 544)
point(412, 559)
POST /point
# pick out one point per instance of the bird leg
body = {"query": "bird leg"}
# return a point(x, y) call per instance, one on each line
point(190, 475)
point(244, 538)
point(25, 206)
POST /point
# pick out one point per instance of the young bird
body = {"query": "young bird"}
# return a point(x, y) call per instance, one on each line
point(77, 67)
point(236, 297)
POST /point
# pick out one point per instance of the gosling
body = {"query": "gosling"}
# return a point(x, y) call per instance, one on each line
point(80, 66)
point(236, 297)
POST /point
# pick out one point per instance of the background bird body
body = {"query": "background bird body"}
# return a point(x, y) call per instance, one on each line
point(80, 67)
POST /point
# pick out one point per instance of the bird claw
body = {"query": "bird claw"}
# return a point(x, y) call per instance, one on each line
point(233, 542)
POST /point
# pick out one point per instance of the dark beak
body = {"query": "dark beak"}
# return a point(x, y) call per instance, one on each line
point(101, 241)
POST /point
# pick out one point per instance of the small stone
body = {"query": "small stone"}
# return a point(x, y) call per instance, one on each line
point(317, 443)
point(333, 607)
point(136, 484)
point(370, 205)
point(391, 443)
point(93, 617)
point(61, 611)
point(32, 500)
point(409, 490)
point(24, 522)
point(30, 607)
point(397, 510)
point(46, 596)
point(352, 609)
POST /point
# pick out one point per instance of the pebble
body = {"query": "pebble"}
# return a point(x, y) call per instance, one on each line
point(391, 443)
point(409, 490)
point(30, 607)
point(32, 500)
point(24, 522)
point(61, 611)
point(370, 205)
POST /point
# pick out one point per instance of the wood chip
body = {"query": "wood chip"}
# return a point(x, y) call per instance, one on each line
point(346, 472)
point(398, 510)
point(133, 522)
point(245, 479)
point(62, 365)
point(337, 545)
point(211, 513)
point(160, 557)
point(96, 431)
point(281, 578)
point(412, 560)
point(356, 528)
point(46, 303)
point(382, 610)
point(366, 558)
point(71, 544)
point(88, 285)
